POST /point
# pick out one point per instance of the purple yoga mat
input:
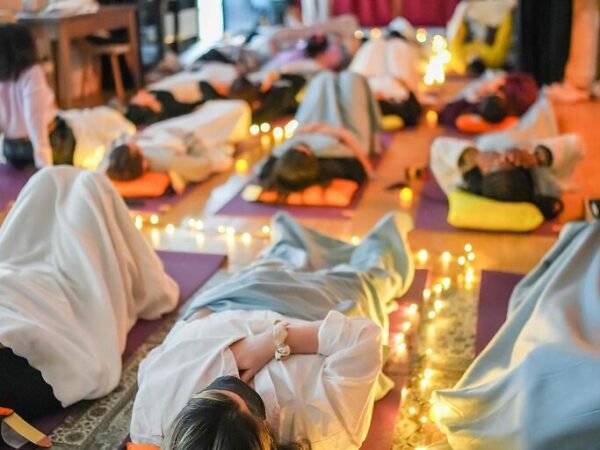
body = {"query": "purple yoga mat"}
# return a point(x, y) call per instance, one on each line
point(433, 212)
point(11, 183)
point(190, 271)
point(237, 206)
point(494, 292)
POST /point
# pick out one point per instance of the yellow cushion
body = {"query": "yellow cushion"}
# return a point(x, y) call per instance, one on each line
point(391, 122)
point(479, 213)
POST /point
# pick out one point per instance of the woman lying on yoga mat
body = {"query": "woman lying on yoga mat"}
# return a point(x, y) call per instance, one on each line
point(70, 294)
point(271, 357)
point(338, 120)
point(391, 67)
point(538, 174)
point(493, 97)
point(269, 95)
point(189, 148)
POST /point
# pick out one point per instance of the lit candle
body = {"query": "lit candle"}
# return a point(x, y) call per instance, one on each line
point(358, 34)
point(199, 225)
point(422, 256)
point(375, 33)
point(412, 410)
point(438, 305)
point(155, 237)
point(446, 282)
point(446, 258)
point(278, 135)
point(139, 222)
point(153, 219)
point(200, 240)
point(170, 228)
point(431, 315)
point(265, 127)
point(266, 229)
point(221, 229)
point(230, 231)
point(290, 128)
point(192, 223)
point(406, 197)
point(246, 238)
point(426, 294)
point(413, 308)
point(254, 130)
point(462, 260)
point(406, 326)
point(241, 166)
point(471, 256)
point(355, 240)
point(431, 118)
point(437, 288)
point(429, 352)
point(468, 248)
point(421, 35)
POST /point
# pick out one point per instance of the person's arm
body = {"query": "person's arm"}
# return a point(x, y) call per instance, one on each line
point(252, 353)
point(35, 95)
point(346, 137)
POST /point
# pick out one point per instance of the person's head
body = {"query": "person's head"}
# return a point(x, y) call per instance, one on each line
point(143, 108)
point(244, 89)
point(476, 67)
point(493, 108)
point(18, 51)
point(126, 162)
point(516, 185)
point(295, 170)
point(316, 45)
point(520, 90)
point(227, 415)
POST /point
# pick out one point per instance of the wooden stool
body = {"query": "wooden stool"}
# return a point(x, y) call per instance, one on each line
point(112, 51)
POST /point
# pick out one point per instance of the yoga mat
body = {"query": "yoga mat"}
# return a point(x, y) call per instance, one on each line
point(190, 271)
point(433, 212)
point(11, 183)
point(158, 204)
point(494, 292)
point(385, 412)
point(237, 206)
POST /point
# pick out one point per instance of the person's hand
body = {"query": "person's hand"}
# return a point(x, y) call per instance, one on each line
point(520, 158)
point(252, 353)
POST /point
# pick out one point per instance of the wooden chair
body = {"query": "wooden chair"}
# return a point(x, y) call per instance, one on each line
point(113, 51)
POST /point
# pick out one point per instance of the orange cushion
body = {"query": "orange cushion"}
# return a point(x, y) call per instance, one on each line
point(339, 193)
point(132, 446)
point(149, 185)
point(474, 123)
point(574, 207)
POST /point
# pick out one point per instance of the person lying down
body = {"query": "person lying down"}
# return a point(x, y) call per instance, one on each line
point(70, 293)
point(189, 148)
point(286, 352)
point(536, 385)
point(338, 121)
point(538, 173)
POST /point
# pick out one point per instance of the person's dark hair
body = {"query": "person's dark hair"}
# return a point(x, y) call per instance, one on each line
point(18, 51)
point(294, 171)
point(476, 67)
point(125, 163)
point(516, 185)
point(244, 89)
point(493, 108)
point(212, 420)
point(394, 34)
point(316, 45)
point(140, 115)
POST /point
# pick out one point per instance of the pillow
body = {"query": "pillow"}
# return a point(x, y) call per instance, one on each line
point(339, 193)
point(474, 123)
point(132, 446)
point(479, 213)
point(149, 185)
point(391, 122)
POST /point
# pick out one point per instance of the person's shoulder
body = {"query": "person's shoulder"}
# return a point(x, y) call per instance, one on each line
point(32, 76)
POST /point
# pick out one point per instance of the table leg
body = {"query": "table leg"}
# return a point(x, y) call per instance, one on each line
point(133, 57)
point(64, 69)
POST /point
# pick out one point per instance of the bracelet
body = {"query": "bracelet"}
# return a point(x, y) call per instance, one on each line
point(282, 350)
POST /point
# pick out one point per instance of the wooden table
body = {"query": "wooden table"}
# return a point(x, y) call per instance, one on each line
point(63, 29)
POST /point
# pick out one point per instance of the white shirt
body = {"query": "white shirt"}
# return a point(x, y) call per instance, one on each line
point(326, 398)
point(26, 110)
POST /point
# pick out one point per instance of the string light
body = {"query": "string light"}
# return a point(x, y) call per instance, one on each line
point(462, 260)
point(266, 229)
point(254, 130)
point(438, 305)
point(413, 308)
point(153, 219)
point(437, 288)
point(471, 256)
point(406, 326)
point(446, 282)
point(265, 127)
point(199, 225)
point(246, 238)
point(355, 240)
point(431, 314)
point(468, 248)
point(426, 294)
point(446, 257)
point(139, 222)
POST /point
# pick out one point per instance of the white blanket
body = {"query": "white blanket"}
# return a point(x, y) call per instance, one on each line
point(75, 275)
point(537, 384)
point(197, 144)
point(388, 57)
